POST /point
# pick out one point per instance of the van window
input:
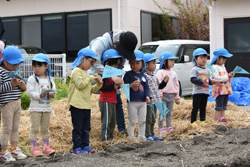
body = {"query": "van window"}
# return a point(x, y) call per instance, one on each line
point(189, 52)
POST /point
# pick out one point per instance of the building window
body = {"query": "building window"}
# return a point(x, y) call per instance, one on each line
point(237, 35)
point(99, 23)
point(31, 31)
point(52, 34)
point(77, 33)
point(11, 30)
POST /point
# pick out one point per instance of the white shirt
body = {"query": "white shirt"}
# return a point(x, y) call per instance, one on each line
point(34, 90)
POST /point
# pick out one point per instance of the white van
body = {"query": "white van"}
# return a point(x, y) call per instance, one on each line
point(180, 48)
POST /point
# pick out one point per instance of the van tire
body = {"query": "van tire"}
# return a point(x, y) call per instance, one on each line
point(180, 92)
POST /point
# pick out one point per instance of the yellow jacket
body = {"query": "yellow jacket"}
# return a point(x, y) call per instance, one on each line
point(80, 89)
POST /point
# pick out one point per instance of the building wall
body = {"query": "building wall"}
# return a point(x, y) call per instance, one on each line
point(222, 9)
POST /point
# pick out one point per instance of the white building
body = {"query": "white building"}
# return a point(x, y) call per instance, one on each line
point(230, 29)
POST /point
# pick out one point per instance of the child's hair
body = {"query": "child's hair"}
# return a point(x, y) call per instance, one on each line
point(112, 61)
point(219, 59)
point(46, 72)
point(139, 60)
point(199, 55)
point(165, 66)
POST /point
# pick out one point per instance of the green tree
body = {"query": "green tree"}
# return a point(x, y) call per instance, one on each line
point(193, 21)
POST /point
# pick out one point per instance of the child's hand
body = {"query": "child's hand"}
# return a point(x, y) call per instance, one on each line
point(204, 80)
point(214, 81)
point(52, 94)
point(136, 83)
point(42, 95)
point(117, 80)
point(177, 101)
point(21, 84)
point(14, 82)
point(147, 99)
point(166, 78)
point(231, 75)
point(117, 86)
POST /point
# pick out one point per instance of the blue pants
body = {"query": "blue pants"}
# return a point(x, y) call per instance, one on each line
point(120, 121)
point(81, 127)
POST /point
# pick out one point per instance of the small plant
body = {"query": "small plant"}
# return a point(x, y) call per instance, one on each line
point(25, 101)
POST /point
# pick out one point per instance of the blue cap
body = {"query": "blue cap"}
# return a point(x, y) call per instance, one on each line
point(139, 55)
point(197, 52)
point(166, 55)
point(12, 55)
point(110, 54)
point(220, 52)
point(83, 52)
point(149, 57)
point(40, 57)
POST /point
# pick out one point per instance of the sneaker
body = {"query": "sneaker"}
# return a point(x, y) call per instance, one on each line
point(195, 123)
point(133, 138)
point(17, 153)
point(79, 151)
point(162, 131)
point(204, 123)
point(143, 138)
point(88, 149)
point(7, 157)
point(36, 152)
point(170, 129)
point(150, 138)
point(223, 121)
point(158, 138)
point(48, 151)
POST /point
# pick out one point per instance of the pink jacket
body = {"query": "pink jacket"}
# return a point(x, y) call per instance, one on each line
point(173, 83)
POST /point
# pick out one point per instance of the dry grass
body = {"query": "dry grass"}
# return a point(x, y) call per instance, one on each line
point(61, 126)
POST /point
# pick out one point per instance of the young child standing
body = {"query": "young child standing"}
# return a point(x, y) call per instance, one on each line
point(139, 95)
point(79, 99)
point(108, 100)
point(153, 83)
point(199, 78)
point(223, 89)
point(169, 86)
point(40, 106)
point(10, 103)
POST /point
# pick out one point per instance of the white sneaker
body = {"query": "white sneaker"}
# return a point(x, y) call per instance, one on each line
point(7, 157)
point(143, 138)
point(17, 153)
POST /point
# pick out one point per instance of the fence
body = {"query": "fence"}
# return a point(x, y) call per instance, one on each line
point(57, 65)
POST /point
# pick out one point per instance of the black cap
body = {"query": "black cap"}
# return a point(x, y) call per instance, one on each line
point(126, 45)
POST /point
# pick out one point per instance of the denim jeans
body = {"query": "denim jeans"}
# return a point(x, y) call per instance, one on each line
point(120, 120)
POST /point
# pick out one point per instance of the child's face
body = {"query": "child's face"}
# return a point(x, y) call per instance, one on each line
point(170, 63)
point(135, 65)
point(87, 63)
point(10, 67)
point(151, 66)
point(39, 70)
point(221, 60)
point(201, 60)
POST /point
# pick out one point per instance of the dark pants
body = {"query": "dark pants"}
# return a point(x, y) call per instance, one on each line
point(150, 121)
point(120, 121)
point(199, 102)
point(81, 127)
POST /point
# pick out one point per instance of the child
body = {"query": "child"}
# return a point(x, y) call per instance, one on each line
point(169, 84)
point(153, 83)
point(199, 78)
point(79, 99)
point(10, 103)
point(223, 89)
point(40, 107)
point(139, 95)
point(108, 100)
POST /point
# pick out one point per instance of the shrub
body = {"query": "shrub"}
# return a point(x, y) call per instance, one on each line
point(25, 101)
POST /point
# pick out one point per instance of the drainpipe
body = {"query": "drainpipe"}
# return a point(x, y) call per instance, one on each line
point(119, 14)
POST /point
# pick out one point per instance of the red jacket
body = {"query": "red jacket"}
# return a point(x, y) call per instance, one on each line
point(108, 91)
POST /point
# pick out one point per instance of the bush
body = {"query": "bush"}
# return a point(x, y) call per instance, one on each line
point(25, 101)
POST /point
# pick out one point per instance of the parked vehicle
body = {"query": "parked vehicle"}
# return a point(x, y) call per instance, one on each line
point(180, 48)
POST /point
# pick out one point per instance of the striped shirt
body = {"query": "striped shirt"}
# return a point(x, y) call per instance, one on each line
point(8, 92)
